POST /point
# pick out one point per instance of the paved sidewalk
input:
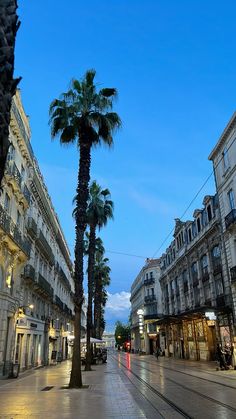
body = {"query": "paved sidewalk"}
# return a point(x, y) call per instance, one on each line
point(108, 395)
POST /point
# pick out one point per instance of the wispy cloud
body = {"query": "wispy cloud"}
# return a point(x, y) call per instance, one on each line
point(150, 202)
point(118, 302)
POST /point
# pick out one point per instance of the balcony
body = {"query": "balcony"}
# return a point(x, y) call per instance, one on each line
point(11, 229)
point(149, 281)
point(233, 274)
point(64, 278)
point(32, 228)
point(59, 303)
point(13, 175)
point(217, 266)
point(149, 298)
point(230, 219)
point(43, 287)
point(29, 274)
point(205, 276)
point(26, 194)
point(45, 248)
point(153, 316)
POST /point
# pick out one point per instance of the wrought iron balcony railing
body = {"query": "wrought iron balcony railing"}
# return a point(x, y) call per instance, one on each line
point(217, 266)
point(230, 218)
point(26, 193)
point(32, 227)
point(14, 174)
point(64, 278)
point(149, 281)
point(149, 298)
point(8, 225)
point(29, 273)
point(44, 287)
point(58, 302)
point(45, 248)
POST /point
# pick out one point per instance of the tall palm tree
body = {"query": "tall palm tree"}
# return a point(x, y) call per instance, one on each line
point(100, 210)
point(83, 116)
point(102, 280)
point(9, 25)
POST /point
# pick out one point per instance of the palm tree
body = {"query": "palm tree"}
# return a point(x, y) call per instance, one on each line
point(102, 280)
point(100, 209)
point(83, 116)
point(9, 25)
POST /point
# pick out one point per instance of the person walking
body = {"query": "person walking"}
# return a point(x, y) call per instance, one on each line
point(158, 352)
point(221, 357)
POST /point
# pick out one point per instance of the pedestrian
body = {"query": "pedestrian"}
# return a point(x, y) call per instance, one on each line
point(220, 355)
point(158, 352)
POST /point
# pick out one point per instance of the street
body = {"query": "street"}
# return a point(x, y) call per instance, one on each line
point(129, 386)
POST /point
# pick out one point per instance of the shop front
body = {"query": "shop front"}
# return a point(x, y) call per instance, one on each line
point(29, 342)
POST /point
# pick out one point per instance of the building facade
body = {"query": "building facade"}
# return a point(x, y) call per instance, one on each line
point(223, 157)
point(36, 273)
point(146, 308)
point(197, 303)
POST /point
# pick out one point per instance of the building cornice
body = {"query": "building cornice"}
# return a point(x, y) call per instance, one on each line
point(229, 127)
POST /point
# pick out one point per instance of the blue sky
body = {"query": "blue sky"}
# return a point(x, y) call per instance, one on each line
point(173, 64)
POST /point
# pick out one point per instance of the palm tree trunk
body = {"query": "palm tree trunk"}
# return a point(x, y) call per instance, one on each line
point(97, 305)
point(91, 261)
point(9, 25)
point(82, 194)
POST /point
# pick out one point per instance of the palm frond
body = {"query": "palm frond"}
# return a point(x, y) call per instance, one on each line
point(108, 92)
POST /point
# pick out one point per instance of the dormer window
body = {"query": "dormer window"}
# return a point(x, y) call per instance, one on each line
point(198, 225)
point(209, 212)
point(189, 235)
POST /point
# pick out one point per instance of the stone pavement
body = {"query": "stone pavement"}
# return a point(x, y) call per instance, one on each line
point(108, 395)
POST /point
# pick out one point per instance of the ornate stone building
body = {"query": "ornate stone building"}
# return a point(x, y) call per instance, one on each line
point(223, 157)
point(36, 276)
point(146, 308)
point(197, 303)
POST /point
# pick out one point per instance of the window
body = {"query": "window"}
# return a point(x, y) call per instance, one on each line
point(7, 202)
point(225, 156)
point(204, 217)
point(194, 231)
point(23, 173)
point(207, 291)
point(219, 285)
point(190, 235)
point(194, 268)
point(204, 264)
point(216, 252)
point(209, 212)
point(151, 275)
point(18, 220)
point(11, 153)
point(198, 225)
point(231, 199)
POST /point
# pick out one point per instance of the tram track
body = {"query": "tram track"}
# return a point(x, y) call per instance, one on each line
point(190, 375)
point(211, 399)
point(173, 405)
